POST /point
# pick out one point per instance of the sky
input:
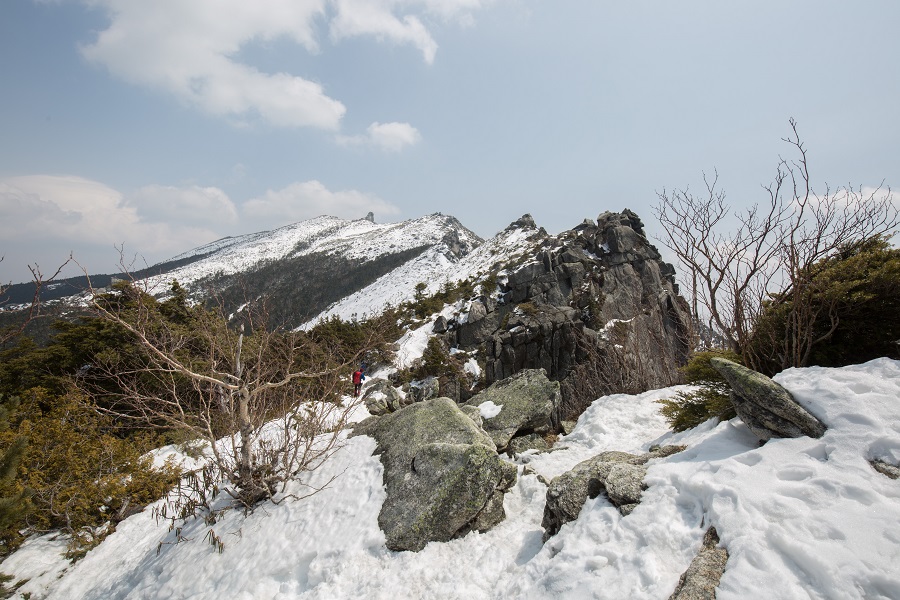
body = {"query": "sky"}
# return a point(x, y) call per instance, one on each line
point(165, 125)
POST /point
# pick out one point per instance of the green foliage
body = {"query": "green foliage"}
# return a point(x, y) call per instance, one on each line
point(851, 299)
point(424, 306)
point(710, 399)
point(79, 478)
point(437, 362)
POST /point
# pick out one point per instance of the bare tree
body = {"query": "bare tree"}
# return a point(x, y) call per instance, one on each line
point(32, 310)
point(771, 256)
point(266, 402)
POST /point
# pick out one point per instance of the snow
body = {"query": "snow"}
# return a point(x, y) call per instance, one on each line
point(359, 239)
point(489, 410)
point(434, 267)
point(801, 518)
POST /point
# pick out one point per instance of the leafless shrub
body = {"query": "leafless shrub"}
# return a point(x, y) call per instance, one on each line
point(733, 275)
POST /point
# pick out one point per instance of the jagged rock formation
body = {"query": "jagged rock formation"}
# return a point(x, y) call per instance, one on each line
point(765, 407)
point(442, 474)
point(702, 577)
point(525, 405)
point(619, 474)
point(595, 307)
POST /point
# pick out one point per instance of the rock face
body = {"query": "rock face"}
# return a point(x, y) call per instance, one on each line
point(702, 577)
point(619, 474)
point(583, 306)
point(521, 406)
point(442, 474)
point(765, 407)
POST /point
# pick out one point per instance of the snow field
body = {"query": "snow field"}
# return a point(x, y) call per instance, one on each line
point(801, 518)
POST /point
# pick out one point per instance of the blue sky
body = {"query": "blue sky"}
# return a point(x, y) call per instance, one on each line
point(169, 124)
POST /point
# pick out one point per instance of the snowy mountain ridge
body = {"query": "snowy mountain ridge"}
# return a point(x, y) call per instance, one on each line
point(359, 239)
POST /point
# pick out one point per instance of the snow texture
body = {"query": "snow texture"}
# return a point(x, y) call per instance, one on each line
point(801, 518)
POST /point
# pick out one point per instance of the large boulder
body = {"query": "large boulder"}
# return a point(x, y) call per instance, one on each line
point(765, 407)
point(442, 475)
point(526, 403)
point(619, 474)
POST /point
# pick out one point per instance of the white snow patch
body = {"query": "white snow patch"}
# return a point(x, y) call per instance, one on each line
point(489, 410)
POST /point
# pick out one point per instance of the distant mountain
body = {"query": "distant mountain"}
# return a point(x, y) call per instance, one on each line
point(301, 268)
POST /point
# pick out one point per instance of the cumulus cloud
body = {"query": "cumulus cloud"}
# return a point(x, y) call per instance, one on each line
point(392, 137)
point(46, 217)
point(189, 49)
point(205, 206)
point(305, 200)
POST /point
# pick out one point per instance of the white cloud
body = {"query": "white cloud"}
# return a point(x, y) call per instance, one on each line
point(392, 137)
point(188, 49)
point(376, 18)
point(305, 200)
point(193, 204)
point(46, 217)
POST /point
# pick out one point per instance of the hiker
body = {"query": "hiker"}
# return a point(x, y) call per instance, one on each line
point(358, 378)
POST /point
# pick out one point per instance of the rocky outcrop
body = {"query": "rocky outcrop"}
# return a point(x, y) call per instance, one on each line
point(619, 474)
point(702, 577)
point(424, 389)
point(595, 307)
point(524, 405)
point(765, 407)
point(442, 475)
point(381, 397)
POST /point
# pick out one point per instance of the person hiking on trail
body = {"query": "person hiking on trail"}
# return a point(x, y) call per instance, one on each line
point(358, 378)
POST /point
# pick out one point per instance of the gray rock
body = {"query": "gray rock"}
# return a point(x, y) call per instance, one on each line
point(473, 413)
point(530, 404)
point(619, 474)
point(442, 475)
point(766, 408)
point(425, 389)
point(573, 283)
point(702, 577)
point(381, 397)
point(624, 483)
point(886, 469)
point(531, 441)
point(440, 325)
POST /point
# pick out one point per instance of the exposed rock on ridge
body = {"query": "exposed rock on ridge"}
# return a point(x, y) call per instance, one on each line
point(765, 407)
point(595, 307)
point(619, 474)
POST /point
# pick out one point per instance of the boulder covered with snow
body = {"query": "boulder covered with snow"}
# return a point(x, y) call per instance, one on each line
point(619, 474)
point(526, 403)
point(765, 407)
point(442, 475)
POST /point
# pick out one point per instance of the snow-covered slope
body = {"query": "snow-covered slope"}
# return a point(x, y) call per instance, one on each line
point(434, 267)
point(360, 239)
point(801, 518)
